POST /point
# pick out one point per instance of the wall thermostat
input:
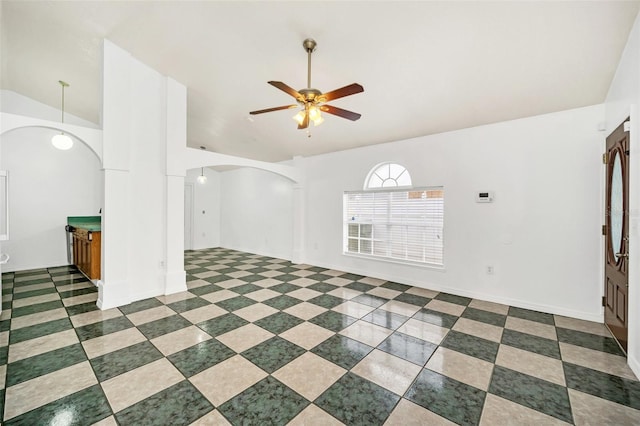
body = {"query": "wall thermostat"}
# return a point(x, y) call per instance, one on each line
point(484, 197)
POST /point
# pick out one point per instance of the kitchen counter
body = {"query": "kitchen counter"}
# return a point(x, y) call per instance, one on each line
point(90, 223)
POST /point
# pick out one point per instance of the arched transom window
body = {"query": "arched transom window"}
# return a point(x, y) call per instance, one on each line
point(387, 175)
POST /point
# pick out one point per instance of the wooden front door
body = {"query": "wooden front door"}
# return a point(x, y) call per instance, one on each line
point(617, 235)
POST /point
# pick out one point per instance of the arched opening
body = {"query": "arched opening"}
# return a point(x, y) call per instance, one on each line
point(46, 186)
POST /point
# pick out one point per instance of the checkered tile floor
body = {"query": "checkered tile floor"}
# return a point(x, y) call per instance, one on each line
point(259, 341)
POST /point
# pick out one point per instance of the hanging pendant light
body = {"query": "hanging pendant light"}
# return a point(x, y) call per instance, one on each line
point(62, 141)
point(202, 179)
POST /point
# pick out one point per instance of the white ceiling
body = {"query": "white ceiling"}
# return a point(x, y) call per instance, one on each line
point(426, 67)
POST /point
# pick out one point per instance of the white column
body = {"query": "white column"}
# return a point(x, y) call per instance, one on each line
point(113, 287)
point(176, 113)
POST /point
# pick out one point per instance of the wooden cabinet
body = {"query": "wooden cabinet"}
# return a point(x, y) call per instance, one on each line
point(86, 252)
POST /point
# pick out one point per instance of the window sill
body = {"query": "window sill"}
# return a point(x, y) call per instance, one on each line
point(430, 266)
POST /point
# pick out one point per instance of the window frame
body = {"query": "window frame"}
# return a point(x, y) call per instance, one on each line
point(371, 255)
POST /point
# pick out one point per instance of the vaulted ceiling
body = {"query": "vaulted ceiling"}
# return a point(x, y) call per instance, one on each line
point(426, 67)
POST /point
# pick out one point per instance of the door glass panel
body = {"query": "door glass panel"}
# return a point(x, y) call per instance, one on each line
point(617, 206)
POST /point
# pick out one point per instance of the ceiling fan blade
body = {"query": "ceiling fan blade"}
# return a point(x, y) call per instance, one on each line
point(262, 111)
point(305, 122)
point(280, 85)
point(351, 89)
point(349, 115)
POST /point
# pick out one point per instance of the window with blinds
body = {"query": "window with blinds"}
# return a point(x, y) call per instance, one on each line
point(404, 225)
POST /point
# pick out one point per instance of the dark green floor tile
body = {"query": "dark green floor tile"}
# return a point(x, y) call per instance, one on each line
point(141, 305)
point(195, 271)
point(5, 325)
point(412, 299)
point(449, 398)
point(435, 317)
point(531, 315)
point(236, 303)
point(257, 270)
point(333, 321)
point(246, 288)
point(163, 326)
point(76, 280)
point(385, 319)
point(191, 278)
point(471, 345)
point(360, 286)
point(531, 343)
point(326, 301)
point(181, 404)
point(588, 340)
point(287, 269)
point(285, 287)
point(273, 354)
point(282, 302)
point(39, 365)
point(6, 305)
point(537, 394)
point(268, 402)
point(38, 271)
point(451, 298)
point(78, 292)
point(4, 354)
point(322, 287)
point(317, 269)
point(33, 293)
point(357, 401)
point(485, 317)
point(126, 359)
point(278, 322)
point(217, 278)
point(198, 358)
point(226, 271)
point(396, 286)
point(285, 278)
point(188, 304)
point(81, 308)
point(342, 351)
point(222, 324)
point(205, 289)
point(103, 328)
point(39, 330)
point(408, 347)
point(251, 279)
point(370, 300)
point(85, 407)
point(352, 277)
point(33, 309)
point(613, 388)
point(319, 277)
point(34, 281)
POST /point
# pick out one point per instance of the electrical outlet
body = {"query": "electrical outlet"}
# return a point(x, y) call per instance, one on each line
point(490, 270)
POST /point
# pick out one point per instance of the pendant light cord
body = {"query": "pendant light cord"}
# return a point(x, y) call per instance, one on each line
point(63, 84)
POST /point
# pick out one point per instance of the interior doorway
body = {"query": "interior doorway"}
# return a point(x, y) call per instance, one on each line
point(188, 216)
point(616, 263)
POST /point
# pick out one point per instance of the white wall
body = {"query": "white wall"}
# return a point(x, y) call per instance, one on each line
point(46, 186)
point(16, 103)
point(256, 212)
point(206, 208)
point(541, 234)
point(623, 100)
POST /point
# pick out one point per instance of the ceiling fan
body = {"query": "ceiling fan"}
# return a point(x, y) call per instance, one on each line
point(313, 101)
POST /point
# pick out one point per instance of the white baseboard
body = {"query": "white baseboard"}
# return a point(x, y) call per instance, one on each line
point(113, 294)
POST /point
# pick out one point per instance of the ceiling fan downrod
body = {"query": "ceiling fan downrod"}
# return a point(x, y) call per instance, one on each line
point(309, 45)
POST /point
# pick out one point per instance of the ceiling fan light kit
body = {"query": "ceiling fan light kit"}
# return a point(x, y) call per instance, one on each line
point(312, 100)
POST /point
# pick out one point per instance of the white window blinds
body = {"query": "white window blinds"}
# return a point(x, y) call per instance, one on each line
point(398, 224)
